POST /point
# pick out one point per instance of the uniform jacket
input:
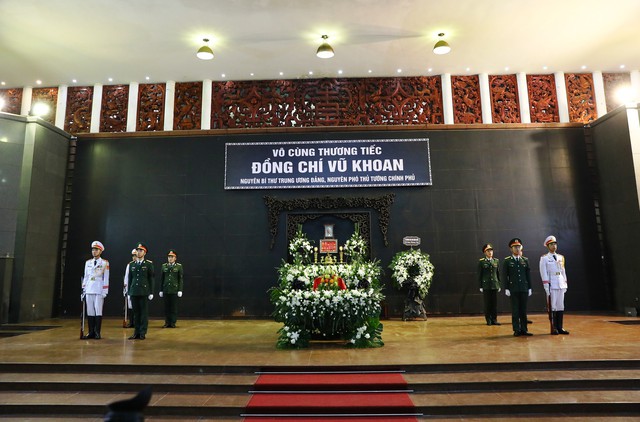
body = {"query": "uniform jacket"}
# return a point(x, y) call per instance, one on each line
point(172, 278)
point(96, 276)
point(488, 273)
point(516, 276)
point(552, 271)
point(141, 278)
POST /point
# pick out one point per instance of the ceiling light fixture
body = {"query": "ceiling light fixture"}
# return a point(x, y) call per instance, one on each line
point(325, 51)
point(441, 47)
point(205, 52)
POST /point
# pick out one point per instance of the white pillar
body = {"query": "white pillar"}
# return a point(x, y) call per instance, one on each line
point(207, 95)
point(485, 98)
point(132, 108)
point(27, 95)
point(635, 85)
point(447, 99)
point(169, 102)
point(96, 106)
point(61, 106)
point(561, 92)
point(523, 98)
point(600, 97)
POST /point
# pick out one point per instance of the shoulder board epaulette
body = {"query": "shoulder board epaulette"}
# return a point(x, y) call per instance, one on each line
point(481, 259)
point(148, 260)
point(131, 262)
point(508, 257)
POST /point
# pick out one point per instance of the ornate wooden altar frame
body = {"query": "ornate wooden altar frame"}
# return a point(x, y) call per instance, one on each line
point(381, 204)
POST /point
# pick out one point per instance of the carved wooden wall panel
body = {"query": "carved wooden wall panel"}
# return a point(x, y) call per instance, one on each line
point(78, 113)
point(187, 110)
point(326, 102)
point(543, 100)
point(48, 96)
point(612, 83)
point(581, 97)
point(504, 98)
point(467, 107)
point(12, 100)
point(151, 99)
point(113, 113)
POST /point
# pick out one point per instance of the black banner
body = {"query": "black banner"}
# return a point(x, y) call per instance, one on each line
point(327, 164)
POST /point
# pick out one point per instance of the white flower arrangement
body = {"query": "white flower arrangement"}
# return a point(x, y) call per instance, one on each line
point(415, 265)
point(300, 248)
point(355, 247)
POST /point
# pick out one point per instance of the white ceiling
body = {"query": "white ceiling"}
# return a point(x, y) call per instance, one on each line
point(56, 41)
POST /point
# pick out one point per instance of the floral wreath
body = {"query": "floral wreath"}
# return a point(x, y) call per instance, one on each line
point(412, 265)
point(300, 248)
point(355, 247)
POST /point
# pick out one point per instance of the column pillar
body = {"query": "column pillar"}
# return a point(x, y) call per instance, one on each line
point(61, 106)
point(600, 97)
point(27, 95)
point(485, 98)
point(523, 98)
point(447, 99)
point(169, 103)
point(207, 95)
point(96, 106)
point(132, 108)
point(561, 92)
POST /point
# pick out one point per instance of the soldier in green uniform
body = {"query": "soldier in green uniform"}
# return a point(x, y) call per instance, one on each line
point(140, 290)
point(516, 278)
point(489, 279)
point(171, 288)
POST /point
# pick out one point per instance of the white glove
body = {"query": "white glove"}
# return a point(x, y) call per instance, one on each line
point(81, 297)
point(179, 294)
point(161, 294)
point(546, 288)
point(104, 295)
point(499, 289)
point(480, 289)
point(507, 292)
point(124, 291)
point(151, 296)
point(529, 292)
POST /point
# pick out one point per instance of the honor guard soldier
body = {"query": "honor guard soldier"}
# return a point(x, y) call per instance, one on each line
point(134, 256)
point(171, 288)
point(95, 287)
point(516, 278)
point(140, 289)
point(554, 281)
point(489, 279)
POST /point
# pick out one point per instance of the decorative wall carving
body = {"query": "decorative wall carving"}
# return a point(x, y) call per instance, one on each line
point(504, 98)
point(381, 204)
point(326, 102)
point(78, 111)
point(581, 98)
point(612, 83)
point(543, 100)
point(467, 107)
point(12, 100)
point(187, 110)
point(115, 103)
point(151, 99)
point(48, 96)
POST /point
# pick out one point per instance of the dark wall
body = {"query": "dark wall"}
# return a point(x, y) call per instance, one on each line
point(620, 207)
point(488, 186)
point(11, 152)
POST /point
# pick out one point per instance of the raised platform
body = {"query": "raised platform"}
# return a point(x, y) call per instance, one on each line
point(456, 367)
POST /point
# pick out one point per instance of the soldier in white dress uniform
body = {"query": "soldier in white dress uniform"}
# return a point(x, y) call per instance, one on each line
point(95, 287)
point(554, 281)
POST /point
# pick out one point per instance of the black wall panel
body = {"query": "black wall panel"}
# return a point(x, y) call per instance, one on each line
point(488, 186)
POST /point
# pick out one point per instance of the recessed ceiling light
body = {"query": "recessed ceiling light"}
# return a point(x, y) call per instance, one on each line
point(339, 72)
point(281, 73)
point(544, 67)
point(622, 66)
point(74, 81)
point(430, 70)
point(370, 70)
point(399, 70)
point(223, 75)
point(506, 68)
point(146, 77)
point(110, 79)
point(468, 69)
point(251, 73)
point(583, 67)
point(39, 82)
point(3, 83)
point(311, 72)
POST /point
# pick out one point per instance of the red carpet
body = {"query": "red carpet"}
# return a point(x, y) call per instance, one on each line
point(343, 396)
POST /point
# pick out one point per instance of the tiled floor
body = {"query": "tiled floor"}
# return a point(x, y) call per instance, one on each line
point(251, 343)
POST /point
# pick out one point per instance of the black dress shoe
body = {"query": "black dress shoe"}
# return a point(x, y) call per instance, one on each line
point(563, 331)
point(526, 333)
point(97, 336)
point(166, 326)
point(172, 326)
point(529, 321)
point(141, 337)
point(495, 323)
point(134, 337)
point(488, 322)
point(517, 333)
